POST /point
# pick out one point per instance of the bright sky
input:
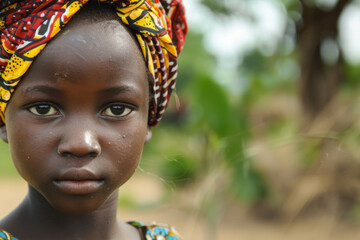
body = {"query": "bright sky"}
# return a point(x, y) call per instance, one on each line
point(237, 36)
point(233, 36)
point(350, 32)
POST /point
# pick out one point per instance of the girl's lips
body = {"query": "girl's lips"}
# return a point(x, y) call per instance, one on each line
point(78, 174)
point(77, 181)
point(78, 187)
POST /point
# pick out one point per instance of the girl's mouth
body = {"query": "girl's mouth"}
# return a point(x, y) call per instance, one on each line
point(77, 181)
point(77, 187)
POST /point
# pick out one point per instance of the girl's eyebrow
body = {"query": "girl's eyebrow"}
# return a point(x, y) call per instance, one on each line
point(58, 92)
point(118, 90)
point(43, 89)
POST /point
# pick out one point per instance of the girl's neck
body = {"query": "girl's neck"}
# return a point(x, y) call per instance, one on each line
point(36, 219)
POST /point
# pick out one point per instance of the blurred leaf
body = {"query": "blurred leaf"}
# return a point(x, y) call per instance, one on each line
point(240, 136)
point(292, 5)
point(247, 183)
point(193, 65)
point(217, 6)
point(179, 169)
point(212, 106)
point(230, 8)
point(352, 77)
point(254, 62)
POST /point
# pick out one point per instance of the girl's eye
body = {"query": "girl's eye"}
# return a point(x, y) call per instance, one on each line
point(43, 110)
point(117, 111)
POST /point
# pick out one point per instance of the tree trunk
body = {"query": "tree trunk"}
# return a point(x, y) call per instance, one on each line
point(319, 82)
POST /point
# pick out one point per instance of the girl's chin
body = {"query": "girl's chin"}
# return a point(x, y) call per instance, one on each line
point(78, 206)
point(83, 204)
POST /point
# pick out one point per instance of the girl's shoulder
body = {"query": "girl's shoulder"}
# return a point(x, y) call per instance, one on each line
point(156, 231)
point(153, 231)
point(6, 236)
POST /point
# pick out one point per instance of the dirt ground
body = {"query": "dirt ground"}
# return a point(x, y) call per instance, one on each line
point(236, 223)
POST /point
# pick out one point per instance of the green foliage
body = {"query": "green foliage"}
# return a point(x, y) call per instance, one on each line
point(254, 62)
point(211, 106)
point(226, 122)
point(292, 5)
point(218, 6)
point(214, 135)
point(179, 169)
point(352, 77)
point(248, 184)
point(173, 155)
point(192, 65)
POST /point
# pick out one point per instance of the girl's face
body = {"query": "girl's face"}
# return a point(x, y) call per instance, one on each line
point(77, 123)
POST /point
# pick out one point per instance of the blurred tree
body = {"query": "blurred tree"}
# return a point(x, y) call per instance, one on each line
point(321, 60)
point(309, 52)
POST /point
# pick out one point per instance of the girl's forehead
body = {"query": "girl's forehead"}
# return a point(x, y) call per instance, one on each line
point(96, 36)
point(90, 51)
point(94, 42)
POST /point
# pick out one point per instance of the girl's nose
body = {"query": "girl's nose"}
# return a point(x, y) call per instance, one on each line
point(79, 144)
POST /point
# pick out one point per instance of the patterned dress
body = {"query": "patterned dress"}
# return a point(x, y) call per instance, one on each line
point(147, 231)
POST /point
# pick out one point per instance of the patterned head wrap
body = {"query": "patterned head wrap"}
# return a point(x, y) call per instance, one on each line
point(28, 25)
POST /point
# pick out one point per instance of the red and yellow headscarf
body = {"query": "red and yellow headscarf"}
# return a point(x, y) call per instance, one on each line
point(27, 26)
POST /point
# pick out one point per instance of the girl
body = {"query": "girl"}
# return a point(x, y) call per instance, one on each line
point(77, 119)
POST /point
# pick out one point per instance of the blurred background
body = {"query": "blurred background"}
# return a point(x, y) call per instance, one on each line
point(261, 139)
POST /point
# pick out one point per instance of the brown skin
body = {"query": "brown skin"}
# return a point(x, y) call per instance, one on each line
point(76, 127)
